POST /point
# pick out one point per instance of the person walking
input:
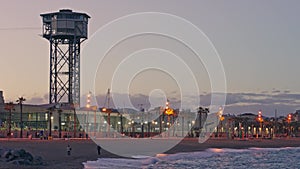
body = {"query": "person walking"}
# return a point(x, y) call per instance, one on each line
point(99, 150)
point(69, 149)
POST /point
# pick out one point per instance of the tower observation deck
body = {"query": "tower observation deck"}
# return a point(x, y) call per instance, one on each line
point(65, 30)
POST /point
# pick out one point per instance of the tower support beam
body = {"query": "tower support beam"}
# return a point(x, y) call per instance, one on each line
point(65, 30)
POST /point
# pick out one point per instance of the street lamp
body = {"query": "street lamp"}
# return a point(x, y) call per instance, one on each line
point(88, 105)
point(9, 106)
point(20, 101)
point(260, 120)
point(220, 118)
point(289, 119)
point(59, 123)
point(108, 111)
point(50, 119)
point(121, 123)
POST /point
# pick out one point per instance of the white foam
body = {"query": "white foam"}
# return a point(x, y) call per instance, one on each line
point(227, 150)
point(197, 154)
point(120, 162)
point(113, 163)
point(140, 156)
point(272, 149)
point(142, 161)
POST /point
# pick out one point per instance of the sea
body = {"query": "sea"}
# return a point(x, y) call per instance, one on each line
point(251, 158)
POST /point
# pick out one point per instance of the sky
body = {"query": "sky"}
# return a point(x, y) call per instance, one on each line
point(258, 44)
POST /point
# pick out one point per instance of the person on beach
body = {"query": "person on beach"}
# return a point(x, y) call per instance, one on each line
point(69, 149)
point(99, 150)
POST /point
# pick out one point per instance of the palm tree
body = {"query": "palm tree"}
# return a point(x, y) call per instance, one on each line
point(20, 101)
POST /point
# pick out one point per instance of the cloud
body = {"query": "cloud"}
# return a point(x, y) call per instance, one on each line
point(267, 101)
point(36, 100)
point(276, 91)
point(268, 110)
point(288, 96)
point(284, 101)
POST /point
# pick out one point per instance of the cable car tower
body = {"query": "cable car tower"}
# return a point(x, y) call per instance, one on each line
point(65, 30)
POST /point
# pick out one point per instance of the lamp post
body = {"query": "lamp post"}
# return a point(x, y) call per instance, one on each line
point(260, 120)
point(148, 127)
point(142, 129)
point(108, 111)
point(50, 123)
point(88, 105)
point(50, 119)
point(220, 118)
point(142, 123)
point(20, 101)
point(75, 119)
point(133, 129)
point(59, 123)
point(289, 118)
point(95, 120)
point(161, 117)
point(121, 123)
point(182, 126)
point(9, 106)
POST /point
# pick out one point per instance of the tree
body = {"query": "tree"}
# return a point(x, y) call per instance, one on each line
point(20, 101)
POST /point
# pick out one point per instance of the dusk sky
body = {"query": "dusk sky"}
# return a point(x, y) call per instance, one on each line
point(258, 43)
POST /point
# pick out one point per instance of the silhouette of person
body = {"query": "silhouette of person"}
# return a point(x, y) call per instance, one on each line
point(69, 150)
point(99, 150)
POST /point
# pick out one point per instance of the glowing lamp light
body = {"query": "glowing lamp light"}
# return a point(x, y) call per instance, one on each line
point(88, 102)
point(222, 118)
point(289, 118)
point(259, 118)
point(169, 112)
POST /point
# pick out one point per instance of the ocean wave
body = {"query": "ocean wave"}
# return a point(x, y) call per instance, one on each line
point(210, 158)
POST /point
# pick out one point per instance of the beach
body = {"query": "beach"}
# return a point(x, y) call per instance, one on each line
point(54, 152)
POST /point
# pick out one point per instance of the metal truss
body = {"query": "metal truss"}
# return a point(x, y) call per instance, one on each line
point(64, 71)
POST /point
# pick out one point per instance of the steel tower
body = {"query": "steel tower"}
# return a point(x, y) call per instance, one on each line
point(65, 30)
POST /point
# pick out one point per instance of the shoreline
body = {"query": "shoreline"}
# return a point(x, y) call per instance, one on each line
point(191, 145)
point(54, 152)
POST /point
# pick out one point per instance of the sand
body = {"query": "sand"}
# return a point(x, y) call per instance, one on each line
point(54, 152)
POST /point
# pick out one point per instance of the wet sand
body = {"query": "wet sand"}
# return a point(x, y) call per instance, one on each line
point(54, 152)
